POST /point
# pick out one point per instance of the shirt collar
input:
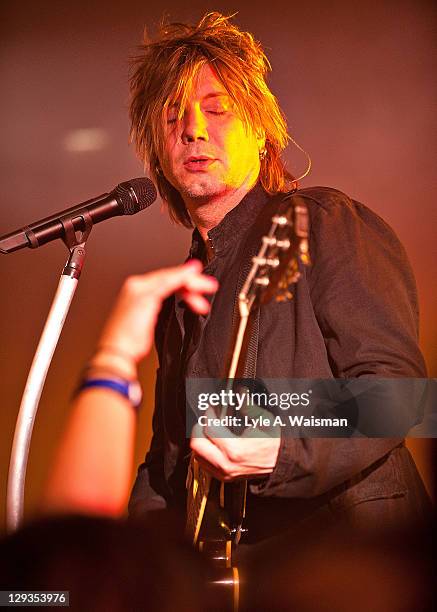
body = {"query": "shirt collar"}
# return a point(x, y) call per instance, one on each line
point(233, 225)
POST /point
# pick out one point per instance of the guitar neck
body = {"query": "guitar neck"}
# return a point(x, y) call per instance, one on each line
point(238, 346)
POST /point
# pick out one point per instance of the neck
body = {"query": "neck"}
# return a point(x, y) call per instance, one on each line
point(208, 213)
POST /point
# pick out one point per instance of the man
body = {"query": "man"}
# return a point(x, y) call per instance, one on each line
point(212, 133)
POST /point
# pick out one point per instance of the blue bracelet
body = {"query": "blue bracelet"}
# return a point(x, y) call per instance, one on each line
point(131, 390)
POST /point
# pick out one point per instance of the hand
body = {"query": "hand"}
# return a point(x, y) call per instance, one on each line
point(229, 457)
point(131, 324)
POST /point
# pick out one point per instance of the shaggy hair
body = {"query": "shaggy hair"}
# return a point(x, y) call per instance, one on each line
point(163, 75)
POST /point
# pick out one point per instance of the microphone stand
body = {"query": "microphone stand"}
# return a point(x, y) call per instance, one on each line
point(75, 242)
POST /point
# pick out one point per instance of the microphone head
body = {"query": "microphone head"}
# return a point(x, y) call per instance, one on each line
point(135, 195)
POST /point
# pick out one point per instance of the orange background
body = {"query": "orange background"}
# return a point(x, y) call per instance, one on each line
point(358, 88)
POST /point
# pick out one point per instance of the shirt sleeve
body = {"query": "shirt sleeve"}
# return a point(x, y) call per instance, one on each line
point(365, 302)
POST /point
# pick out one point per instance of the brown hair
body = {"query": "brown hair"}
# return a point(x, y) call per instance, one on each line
point(163, 74)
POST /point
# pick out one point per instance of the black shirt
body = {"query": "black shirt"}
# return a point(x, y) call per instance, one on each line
point(354, 312)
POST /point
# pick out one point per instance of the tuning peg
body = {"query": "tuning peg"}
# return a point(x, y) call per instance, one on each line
point(280, 220)
point(261, 261)
point(283, 244)
point(273, 262)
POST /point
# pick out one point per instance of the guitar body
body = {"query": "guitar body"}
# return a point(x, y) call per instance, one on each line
point(215, 513)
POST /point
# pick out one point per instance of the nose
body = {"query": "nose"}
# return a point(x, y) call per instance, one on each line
point(194, 125)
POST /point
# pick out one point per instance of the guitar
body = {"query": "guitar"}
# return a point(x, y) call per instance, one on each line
point(215, 509)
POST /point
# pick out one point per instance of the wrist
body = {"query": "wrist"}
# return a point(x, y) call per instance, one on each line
point(112, 369)
point(114, 361)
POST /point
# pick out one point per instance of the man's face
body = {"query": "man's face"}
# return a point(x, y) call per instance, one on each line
point(208, 152)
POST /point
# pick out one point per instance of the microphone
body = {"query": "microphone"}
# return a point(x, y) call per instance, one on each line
point(127, 198)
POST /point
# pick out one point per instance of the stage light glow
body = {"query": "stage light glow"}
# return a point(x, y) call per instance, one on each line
point(86, 139)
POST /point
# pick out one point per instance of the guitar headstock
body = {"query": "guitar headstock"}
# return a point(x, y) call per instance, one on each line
point(276, 266)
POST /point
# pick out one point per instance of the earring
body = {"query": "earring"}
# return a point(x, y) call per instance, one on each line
point(262, 154)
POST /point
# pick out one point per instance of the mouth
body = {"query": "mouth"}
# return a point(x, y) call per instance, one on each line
point(198, 162)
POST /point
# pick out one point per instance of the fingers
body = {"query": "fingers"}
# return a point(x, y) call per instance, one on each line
point(187, 278)
point(196, 302)
point(229, 457)
point(210, 456)
point(129, 328)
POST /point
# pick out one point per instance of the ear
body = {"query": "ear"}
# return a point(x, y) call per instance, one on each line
point(261, 139)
